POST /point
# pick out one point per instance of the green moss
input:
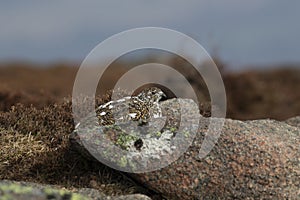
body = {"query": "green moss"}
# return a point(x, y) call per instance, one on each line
point(124, 139)
point(158, 133)
point(11, 190)
point(6, 197)
point(77, 197)
point(173, 129)
point(74, 196)
point(186, 134)
point(123, 161)
point(18, 189)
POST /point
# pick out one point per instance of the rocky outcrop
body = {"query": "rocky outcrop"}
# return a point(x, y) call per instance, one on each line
point(257, 159)
point(295, 121)
point(254, 160)
point(12, 190)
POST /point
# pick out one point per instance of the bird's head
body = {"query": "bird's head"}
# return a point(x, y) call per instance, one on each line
point(153, 94)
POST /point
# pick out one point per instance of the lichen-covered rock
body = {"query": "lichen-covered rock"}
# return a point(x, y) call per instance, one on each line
point(252, 160)
point(11, 190)
point(19, 191)
point(131, 147)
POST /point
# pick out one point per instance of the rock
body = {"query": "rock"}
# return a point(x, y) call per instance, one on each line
point(130, 197)
point(138, 148)
point(295, 121)
point(12, 190)
point(21, 190)
point(252, 160)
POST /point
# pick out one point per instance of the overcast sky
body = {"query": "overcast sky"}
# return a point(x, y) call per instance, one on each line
point(242, 32)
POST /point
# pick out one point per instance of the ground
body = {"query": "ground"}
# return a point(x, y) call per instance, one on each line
point(36, 121)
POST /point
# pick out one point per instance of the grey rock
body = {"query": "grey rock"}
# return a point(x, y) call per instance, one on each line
point(130, 197)
point(13, 190)
point(136, 148)
point(257, 159)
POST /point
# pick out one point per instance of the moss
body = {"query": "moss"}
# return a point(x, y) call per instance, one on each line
point(17, 189)
point(13, 190)
point(124, 139)
point(186, 134)
point(173, 129)
point(158, 133)
point(64, 193)
point(123, 161)
point(77, 197)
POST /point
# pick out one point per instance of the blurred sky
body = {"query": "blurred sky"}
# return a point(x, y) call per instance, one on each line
point(241, 32)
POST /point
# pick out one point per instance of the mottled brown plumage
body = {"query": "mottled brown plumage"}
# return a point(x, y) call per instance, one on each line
point(137, 108)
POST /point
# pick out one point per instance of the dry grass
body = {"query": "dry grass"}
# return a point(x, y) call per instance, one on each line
point(36, 120)
point(263, 94)
point(34, 146)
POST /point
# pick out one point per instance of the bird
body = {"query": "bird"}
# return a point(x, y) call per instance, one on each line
point(139, 108)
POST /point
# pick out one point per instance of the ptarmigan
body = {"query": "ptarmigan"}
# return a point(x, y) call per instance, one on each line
point(138, 108)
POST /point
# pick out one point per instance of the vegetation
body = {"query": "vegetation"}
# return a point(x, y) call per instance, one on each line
point(36, 120)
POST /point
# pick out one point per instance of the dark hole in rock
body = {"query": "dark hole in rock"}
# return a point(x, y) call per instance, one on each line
point(138, 144)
